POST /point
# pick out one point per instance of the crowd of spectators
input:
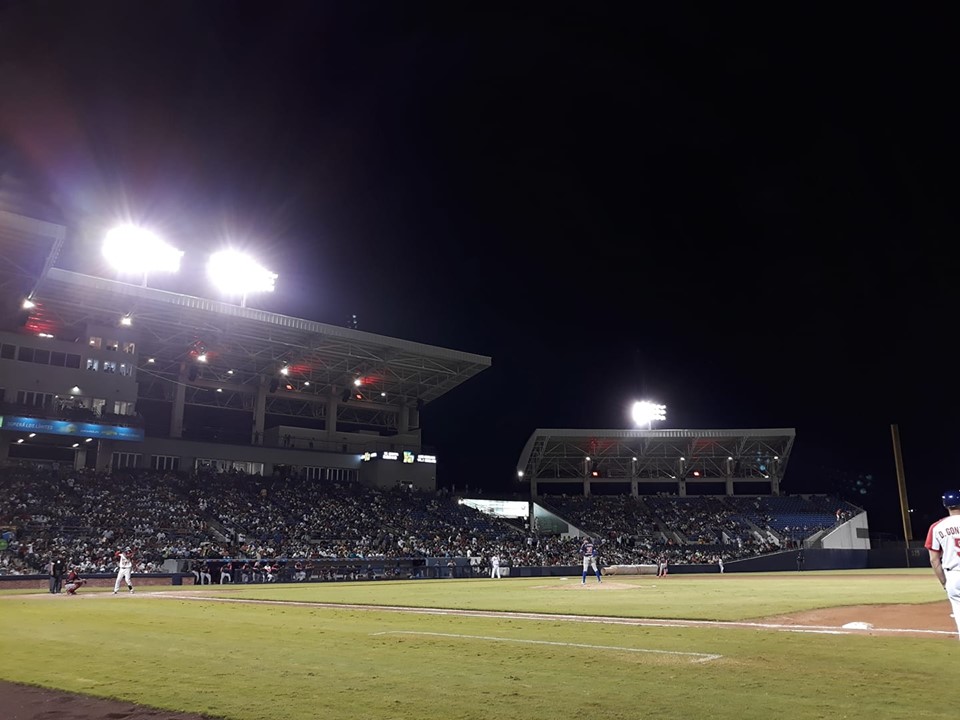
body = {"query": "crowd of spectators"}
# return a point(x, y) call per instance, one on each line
point(239, 528)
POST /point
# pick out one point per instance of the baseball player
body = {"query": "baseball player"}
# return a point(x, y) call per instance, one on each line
point(74, 582)
point(494, 566)
point(123, 573)
point(943, 544)
point(588, 551)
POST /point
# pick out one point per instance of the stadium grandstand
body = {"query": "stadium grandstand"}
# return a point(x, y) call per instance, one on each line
point(100, 373)
point(249, 446)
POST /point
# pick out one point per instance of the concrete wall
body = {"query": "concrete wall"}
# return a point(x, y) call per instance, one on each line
point(851, 535)
point(389, 473)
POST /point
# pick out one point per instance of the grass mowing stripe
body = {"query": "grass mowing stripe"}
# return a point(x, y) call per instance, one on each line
point(700, 657)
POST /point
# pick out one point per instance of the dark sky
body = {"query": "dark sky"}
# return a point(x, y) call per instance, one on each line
point(750, 218)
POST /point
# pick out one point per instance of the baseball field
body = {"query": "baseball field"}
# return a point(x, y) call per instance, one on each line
point(859, 644)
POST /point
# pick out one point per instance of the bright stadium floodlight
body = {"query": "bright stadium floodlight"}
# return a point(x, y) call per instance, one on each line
point(136, 251)
point(237, 274)
point(646, 413)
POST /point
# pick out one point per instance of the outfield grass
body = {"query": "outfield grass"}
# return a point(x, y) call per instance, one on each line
point(279, 662)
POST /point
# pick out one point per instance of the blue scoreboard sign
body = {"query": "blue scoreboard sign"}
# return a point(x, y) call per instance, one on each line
point(72, 429)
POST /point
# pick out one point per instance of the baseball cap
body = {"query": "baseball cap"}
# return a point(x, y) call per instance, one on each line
point(951, 498)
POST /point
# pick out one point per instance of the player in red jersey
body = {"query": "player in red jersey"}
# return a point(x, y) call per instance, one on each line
point(74, 582)
point(943, 544)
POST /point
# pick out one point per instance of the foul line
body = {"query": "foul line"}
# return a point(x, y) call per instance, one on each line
point(700, 657)
point(599, 619)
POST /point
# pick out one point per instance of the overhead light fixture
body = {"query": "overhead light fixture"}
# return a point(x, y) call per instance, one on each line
point(19, 441)
point(151, 360)
point(76, 445)
point(306, 383)
point(646, 413)
point(229, 372)
point(126, 320)
point(383, 394)
point(28, 304)
point(44, 335)
point(89, 440)
point(137, 251)
point(284, 370)
point(219, 389)
point(32, 435)
point(519, 473)
point(237, 274)
point(202, 357)
point(358, 382)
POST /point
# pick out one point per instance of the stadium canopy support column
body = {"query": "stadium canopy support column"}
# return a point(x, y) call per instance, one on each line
point(774, 484)
point(729, 485)
point(634, 487)
point(259, 412)
point(104, 455)
point(682, 488)
point(4, 449)
point(79, 458)
point(403, 419)
point(179, 396)
point(331, 420)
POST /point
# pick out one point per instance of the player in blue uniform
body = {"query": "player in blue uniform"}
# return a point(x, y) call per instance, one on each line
point(588, 551)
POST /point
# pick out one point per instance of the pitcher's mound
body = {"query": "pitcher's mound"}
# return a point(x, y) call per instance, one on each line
point(605, 585)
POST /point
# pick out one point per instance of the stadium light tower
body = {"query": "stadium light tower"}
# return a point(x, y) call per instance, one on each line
point(136, 251)
point(237, 274)
point(646, 413)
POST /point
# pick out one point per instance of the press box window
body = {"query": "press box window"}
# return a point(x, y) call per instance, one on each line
point(109, 366)
point(125, 460)
point(25, 354)
point(73, 361)
point(96, 342)
point(41, 356)
point(112, 345)
point(58, 359)
point(7, 352)
point(164, 462)
point(126, 369)
point(129, 348)
point(93, 364)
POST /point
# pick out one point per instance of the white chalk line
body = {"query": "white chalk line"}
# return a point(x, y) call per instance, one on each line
point(700, 657)
point(598, 619)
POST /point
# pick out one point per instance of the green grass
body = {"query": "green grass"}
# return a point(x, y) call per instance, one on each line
point(280, 662)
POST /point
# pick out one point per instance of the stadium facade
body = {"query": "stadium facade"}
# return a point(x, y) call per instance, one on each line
point(100, 373)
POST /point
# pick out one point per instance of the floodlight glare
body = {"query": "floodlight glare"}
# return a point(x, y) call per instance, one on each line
point(134, 250)
point(645, 413)
point(237, 274)
point(28, 304)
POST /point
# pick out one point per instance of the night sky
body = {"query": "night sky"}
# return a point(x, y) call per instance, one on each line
point(748, 217)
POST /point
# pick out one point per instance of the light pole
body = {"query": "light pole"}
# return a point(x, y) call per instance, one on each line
point(646, 413)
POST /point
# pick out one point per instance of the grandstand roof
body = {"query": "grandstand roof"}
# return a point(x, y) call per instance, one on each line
point(29, 247)
point(560, 454)
point(242, 344)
